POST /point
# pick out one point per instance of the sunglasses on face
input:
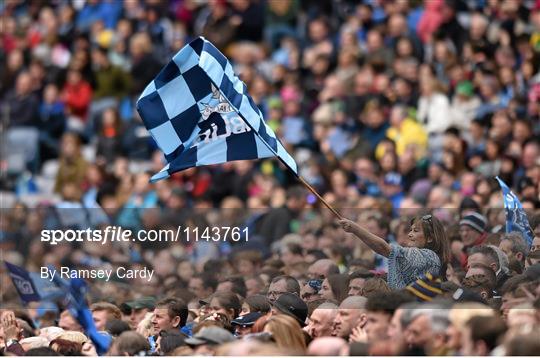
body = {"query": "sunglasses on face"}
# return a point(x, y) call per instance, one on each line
point(315, 284)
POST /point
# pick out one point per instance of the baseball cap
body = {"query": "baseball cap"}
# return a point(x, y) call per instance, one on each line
point(466, 295)
point(292, 305)
point(475, 220)
point(143, 302)
point(247, 320)
point(210, 335)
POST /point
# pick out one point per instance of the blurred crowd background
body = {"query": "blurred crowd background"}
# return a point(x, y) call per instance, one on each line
point(390, 108)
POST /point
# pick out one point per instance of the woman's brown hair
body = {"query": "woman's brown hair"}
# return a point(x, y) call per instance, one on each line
point(65, 347)
point(436, 239)
point(229, 301)
point(339, 283)
point(286, 332)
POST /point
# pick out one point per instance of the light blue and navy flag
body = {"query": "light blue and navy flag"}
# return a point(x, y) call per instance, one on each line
point(23, 283)
point(199, 113)
point(516, 218)
point(31, 286)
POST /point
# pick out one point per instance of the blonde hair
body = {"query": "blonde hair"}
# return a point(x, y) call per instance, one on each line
point(286, 332)
point(73, 336)
point(34, 342)
point(51, 332)
point(145, 327)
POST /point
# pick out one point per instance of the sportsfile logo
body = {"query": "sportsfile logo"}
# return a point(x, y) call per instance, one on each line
point(118, 234)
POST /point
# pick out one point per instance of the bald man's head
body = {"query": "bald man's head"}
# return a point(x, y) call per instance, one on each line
point(326, 346)
point(351, 314)
point(354, 302)
point(320, 269)
point(321, 321)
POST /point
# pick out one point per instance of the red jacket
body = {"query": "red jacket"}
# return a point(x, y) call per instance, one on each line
point(77, 98)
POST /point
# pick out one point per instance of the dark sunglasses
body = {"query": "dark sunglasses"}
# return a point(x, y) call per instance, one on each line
point(315, 284)
point(429, 219)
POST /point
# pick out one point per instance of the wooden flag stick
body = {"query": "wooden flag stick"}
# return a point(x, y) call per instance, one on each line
point(306, 184)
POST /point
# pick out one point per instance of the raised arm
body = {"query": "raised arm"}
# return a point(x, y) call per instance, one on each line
point(374, 242)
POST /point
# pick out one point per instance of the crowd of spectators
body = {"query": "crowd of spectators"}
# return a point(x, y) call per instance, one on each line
point(400, 113)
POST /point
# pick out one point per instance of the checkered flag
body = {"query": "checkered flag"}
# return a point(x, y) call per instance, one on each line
point(199, 113)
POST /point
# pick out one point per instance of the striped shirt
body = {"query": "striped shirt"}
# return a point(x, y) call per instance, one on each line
point(407, 264)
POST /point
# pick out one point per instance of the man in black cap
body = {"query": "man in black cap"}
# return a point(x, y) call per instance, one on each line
point(208, 339)
point(291, 305)
point(243, 324)
point(139, 308)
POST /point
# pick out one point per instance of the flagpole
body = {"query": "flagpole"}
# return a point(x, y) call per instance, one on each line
point(312, 189)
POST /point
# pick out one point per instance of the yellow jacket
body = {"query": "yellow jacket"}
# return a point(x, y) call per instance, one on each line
point(410, 133)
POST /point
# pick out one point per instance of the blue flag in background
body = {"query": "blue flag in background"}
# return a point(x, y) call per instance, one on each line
point(47, 290)
point(31, 286)
point(199, 113)
point(23, 283)
point(516, 218)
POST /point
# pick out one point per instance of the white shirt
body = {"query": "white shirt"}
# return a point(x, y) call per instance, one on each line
point(434, 113)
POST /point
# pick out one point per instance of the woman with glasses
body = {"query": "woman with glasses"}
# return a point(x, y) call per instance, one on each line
point(426, 250)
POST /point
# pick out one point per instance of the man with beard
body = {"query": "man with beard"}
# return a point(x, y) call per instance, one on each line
point(351, 314)
point(515, 247)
